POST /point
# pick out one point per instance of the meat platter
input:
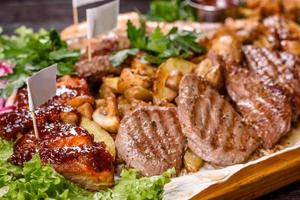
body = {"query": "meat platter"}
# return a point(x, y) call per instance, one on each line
point(215, 106)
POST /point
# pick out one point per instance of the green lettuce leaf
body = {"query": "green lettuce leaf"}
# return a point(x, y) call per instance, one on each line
point(37, 181)
point(133, 187)
point(30, 52)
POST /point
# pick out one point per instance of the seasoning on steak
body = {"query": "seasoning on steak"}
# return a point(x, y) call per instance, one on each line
point(282, 28)
point(150, 140)
point(266, 107)
point(215, 131)
point(280, 67)
point(282, 34)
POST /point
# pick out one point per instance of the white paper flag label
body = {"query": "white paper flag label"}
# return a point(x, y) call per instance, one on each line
point(78, 3)
point(102, 18)
point(41, 87)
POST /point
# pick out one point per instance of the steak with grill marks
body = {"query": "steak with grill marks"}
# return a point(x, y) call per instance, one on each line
point(215, 131)
point(280, 67)
point(150, 140)
point(265, 106)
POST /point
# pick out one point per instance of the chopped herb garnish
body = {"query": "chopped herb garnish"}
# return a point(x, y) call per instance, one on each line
point(159, 46)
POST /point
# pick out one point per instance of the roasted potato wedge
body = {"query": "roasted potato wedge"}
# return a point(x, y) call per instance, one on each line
point(173, 80)
point(128, 79)
point(162, 93)
point(100, 135)
point(124, 106)
point(291, 46)
point(227, 45)
point(111, 82)
point(69, 117)
point(106, 115)
point(86, 110)
point(80, 100)
point(211, 72)
point(138, 92)
point(192, 162)
point(142, 68)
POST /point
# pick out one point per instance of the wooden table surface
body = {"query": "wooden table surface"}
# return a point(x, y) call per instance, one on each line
point(58, 14)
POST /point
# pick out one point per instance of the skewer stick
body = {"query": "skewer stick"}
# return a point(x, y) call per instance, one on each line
point(75, 17)
point(35, 129)
point(89, 50)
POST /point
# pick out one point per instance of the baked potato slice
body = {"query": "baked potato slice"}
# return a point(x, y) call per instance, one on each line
point(100, 135)
point(161, 92)
point(139, 93)
point(192, 162)
point(211, 72)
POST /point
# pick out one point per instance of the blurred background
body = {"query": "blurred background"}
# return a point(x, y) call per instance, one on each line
point(49, 13)
point(58, 14)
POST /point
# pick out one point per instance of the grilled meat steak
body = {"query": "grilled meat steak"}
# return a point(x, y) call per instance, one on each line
point(71, 151)
point(280, 67)
point(266, 107)
point(150, 140)
point(215, 131)
point(98, 67)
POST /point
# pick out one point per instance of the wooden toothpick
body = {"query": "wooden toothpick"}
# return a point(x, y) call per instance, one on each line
point(35, 129)
point(75, 17)
point(89, 50)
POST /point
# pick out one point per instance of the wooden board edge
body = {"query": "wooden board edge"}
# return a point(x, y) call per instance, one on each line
point(257, 180)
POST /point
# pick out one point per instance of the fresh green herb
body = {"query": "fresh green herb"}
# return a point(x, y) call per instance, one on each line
point(171, 10)
point(36, 181)
point(30, 52)
point(159, 46)
point(119, 57)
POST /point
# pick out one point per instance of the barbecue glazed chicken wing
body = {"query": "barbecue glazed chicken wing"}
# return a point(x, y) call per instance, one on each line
point(70, 149)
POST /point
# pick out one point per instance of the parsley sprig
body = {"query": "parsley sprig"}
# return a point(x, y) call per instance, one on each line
point(159, 46)
point(30, 52)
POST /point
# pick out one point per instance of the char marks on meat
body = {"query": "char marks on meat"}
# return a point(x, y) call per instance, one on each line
point(277, 67)
point(150, 140)
point(215, 131)
point(266, 107)
point(282, 28)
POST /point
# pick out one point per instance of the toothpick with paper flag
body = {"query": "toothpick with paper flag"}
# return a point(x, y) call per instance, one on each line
point(78, 3)
point(41, 87)
point(100, 20)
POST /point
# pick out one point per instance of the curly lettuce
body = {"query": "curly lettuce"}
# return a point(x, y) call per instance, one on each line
point(37, 181)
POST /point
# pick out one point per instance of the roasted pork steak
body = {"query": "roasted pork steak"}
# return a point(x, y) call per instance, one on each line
point(150, 140)
point(266, 107)
point(274, 66)
point(215, 131)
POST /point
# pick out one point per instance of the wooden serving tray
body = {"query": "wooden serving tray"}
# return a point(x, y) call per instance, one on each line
point(251, 182)
point(257, 180)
